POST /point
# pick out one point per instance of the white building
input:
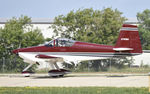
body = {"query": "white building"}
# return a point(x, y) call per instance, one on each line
point(142, 59)
point(44, 24)
point(41, 23)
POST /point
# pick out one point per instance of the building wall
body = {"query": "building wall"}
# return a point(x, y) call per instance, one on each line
point(142, 59)
point(47, 32)
point(2, 25)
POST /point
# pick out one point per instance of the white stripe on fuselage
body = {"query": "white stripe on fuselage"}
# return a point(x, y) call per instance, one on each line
point(29, 57)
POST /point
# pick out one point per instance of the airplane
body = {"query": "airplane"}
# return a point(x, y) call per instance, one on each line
point(67, 50)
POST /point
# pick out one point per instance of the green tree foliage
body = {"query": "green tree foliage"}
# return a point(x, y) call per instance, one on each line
point(88, 25)
point(17, 33)
point(144, 28)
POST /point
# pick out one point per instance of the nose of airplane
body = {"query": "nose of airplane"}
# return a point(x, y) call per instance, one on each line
point(15, 51)
point(29, 49)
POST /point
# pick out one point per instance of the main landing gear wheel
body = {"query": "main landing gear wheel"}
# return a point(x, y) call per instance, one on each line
point(58, 73)
point(57, 76)
point(61, 75)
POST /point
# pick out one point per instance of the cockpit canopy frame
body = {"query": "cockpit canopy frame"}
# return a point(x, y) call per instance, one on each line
point(60, 42)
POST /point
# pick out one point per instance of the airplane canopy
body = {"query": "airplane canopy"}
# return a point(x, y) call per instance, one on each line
point(61, 42)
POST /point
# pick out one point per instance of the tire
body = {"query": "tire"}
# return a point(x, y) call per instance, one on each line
point(61, 75)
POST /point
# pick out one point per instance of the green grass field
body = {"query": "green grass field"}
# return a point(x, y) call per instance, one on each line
point(72, 90)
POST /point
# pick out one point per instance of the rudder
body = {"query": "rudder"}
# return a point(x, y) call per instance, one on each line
point(129, 40)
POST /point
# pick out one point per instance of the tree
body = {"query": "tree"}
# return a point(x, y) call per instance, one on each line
point(144, 28)
point(88, 25)
point(17, 33)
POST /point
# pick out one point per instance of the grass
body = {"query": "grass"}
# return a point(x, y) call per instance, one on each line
point(112, 70)
point(72, 90)
point(130, 70)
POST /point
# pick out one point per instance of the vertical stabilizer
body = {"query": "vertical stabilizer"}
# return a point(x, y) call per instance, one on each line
point(129, 40)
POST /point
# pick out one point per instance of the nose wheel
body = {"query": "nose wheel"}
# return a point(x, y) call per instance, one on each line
point(26, 73)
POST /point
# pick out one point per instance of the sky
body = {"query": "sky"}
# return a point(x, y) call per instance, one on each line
point(53, 8)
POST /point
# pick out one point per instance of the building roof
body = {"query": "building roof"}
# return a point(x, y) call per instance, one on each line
point(50, 21)
point(131, 21)
point(146, 51)
point(34, 20)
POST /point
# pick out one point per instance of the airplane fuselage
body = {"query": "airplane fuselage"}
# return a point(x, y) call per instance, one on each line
point(62, 49)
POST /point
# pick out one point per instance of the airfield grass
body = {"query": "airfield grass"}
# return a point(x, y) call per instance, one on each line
point(72, 90)
point(112, 70)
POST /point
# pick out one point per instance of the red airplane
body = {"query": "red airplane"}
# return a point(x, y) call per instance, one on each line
point(66, 50)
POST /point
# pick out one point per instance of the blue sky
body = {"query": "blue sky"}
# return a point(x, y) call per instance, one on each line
point(52, 8)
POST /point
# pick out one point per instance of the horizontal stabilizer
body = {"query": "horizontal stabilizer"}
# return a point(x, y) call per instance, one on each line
point(122, 49)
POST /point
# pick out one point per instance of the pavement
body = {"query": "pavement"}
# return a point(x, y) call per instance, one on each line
point(75, 80)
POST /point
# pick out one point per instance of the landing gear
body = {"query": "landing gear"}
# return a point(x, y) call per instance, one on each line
point(26, 73)
point(58, 73)
point(61, 75)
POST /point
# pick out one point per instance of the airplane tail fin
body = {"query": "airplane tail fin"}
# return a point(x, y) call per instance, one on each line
point(128, 40)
